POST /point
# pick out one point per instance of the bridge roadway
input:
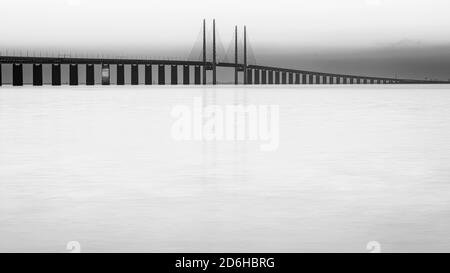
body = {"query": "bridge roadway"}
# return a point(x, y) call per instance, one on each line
point(256, 74)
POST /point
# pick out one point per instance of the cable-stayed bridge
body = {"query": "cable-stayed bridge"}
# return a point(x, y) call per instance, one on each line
point(251, 73)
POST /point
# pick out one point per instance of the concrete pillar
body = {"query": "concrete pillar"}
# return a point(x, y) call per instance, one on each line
point(317, 79)
point(174, 75)
point(297, 78)
point(270, 76)
point(291, 78)
point(161, 74)
point(358, 80)
point(17, 75)
point(148, 74)
point(256, 72)
point(186, 74)
point(120, 74)
point(197, 77)
point(283, 77)
point(106, 74)
point(134, 74)
point(249, 76)
point(372, 81)
point(331, 79)
point(277, 77)
point(56, 74)
point(73, 74)
point(264, 76)
point(304, 78)
point(37, 75)
point(311, 79)
point(90, 74)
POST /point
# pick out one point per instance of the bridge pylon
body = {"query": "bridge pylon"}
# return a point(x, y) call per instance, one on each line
point(204, 52)
point(245, 55)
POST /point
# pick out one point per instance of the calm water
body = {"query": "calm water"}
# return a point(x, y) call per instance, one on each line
point(99, 166)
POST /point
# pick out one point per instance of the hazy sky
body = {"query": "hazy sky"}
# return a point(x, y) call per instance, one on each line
point(279, 31)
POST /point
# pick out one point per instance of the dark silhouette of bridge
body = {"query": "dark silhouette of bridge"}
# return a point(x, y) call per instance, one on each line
point(252, 74)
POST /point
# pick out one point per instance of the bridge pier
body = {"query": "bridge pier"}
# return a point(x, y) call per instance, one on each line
point(90, 74)
point(372, 81)
point(256, 72)
point(17, 75)
point(297, 78)
point(120, 74)
point(249, 76)
point(304, 78)
point(277, 77)
point(56, 74)
point(1, 81)
point(37, 75)
point(263, 76)
point(291, 78)
point(73, 74)
point(283, 77)
point(270, 76)
point(197, 69)
point(358, 80)
point(134, 74)
point(186, 76)
point(317, 80)
point(106, 77)
point(148, 74)
point(174, 75)
point(161, 74)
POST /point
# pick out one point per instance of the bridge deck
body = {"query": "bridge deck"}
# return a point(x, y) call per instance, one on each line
point(67, 60)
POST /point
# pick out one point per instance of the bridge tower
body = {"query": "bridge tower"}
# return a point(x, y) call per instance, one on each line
point(204, 51)
point(236, 77)
point(245, 55)
point(214, 54)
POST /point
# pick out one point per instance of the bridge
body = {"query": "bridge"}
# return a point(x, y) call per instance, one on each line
point(252, 74)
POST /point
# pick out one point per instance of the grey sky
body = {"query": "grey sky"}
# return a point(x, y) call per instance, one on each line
point(314, 30)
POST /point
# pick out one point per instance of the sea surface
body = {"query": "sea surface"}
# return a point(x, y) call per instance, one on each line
point(100, 166)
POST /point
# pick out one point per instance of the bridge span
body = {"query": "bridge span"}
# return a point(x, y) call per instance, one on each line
point(252, 74)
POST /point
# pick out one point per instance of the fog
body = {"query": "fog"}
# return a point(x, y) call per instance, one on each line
point(380, 37)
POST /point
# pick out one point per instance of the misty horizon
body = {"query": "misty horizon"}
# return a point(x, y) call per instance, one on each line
point(354, 37)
